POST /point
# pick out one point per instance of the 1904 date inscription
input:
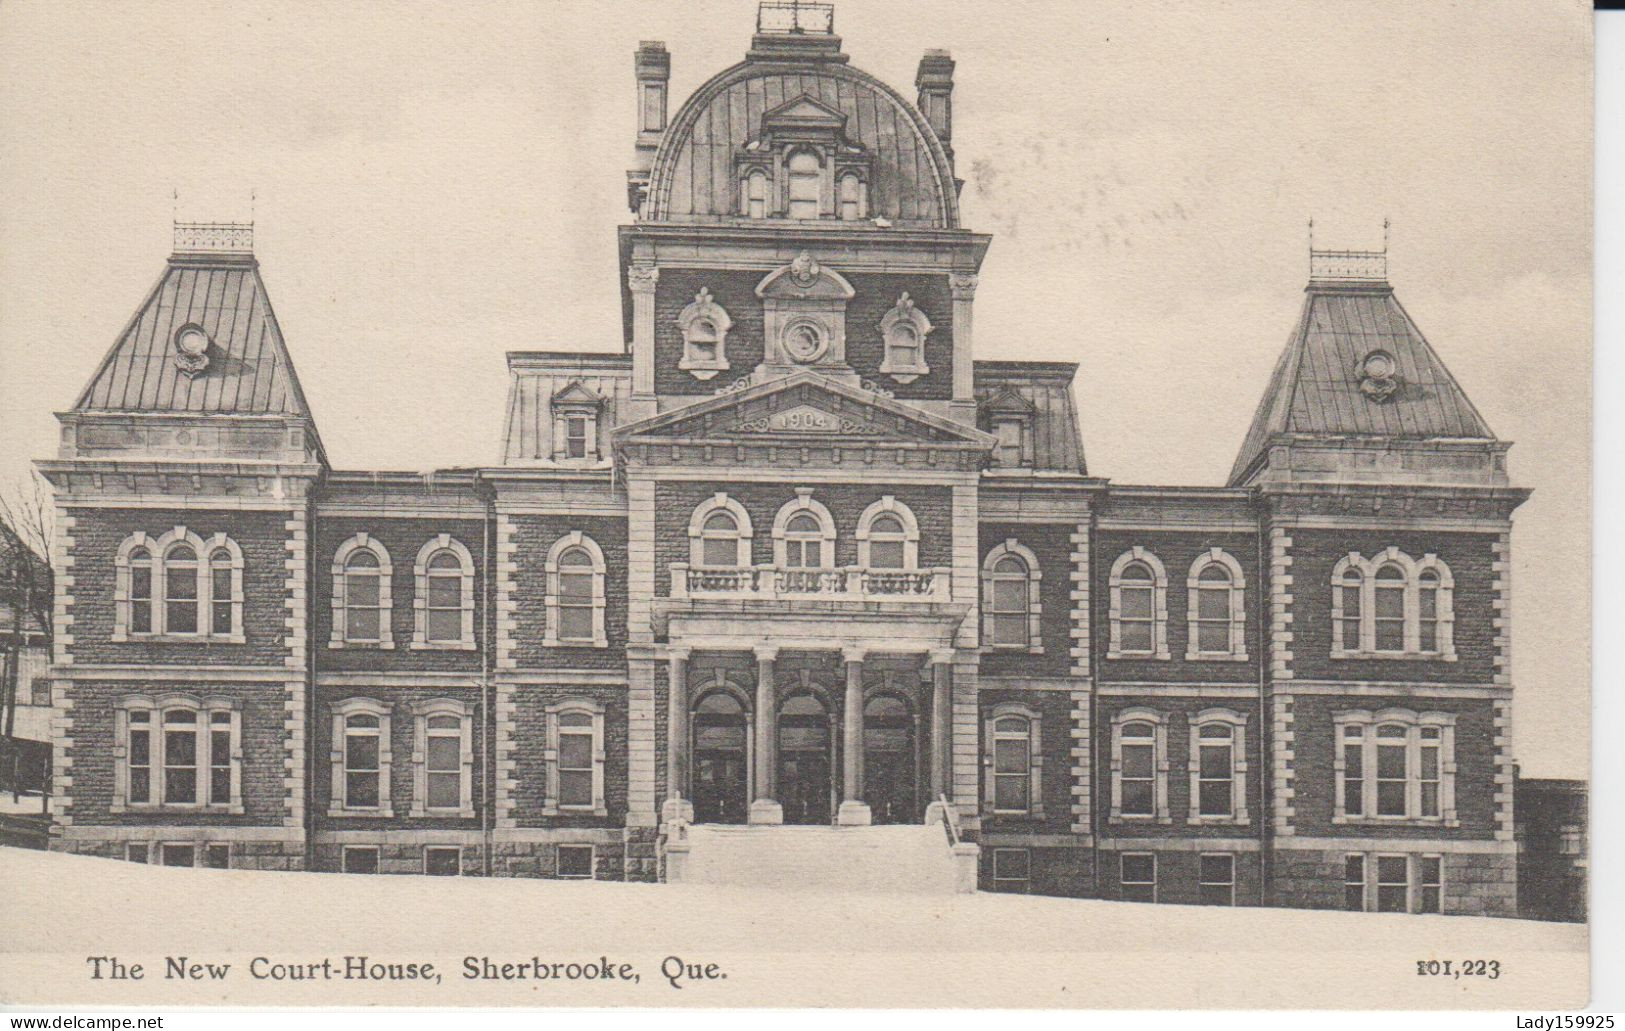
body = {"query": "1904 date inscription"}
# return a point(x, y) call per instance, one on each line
point(1487, 968)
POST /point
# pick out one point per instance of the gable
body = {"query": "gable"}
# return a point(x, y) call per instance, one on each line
point(804, 112)
point(805, 407)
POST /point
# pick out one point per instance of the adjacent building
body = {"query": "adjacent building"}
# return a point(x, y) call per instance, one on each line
point(790, 553)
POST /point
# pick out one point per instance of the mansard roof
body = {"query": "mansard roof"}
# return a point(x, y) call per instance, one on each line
point(1045, 389)
point(693, 178)
point(248, 370)
point(1321, 387)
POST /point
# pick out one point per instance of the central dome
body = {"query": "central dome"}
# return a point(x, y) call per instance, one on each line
point(697, 174)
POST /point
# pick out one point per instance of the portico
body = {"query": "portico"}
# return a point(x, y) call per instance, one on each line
point(807, 732)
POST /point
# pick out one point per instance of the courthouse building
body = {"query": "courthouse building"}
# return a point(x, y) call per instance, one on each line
point(789, 553)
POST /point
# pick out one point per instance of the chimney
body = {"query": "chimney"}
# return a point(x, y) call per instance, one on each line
point(651, 67)
point(935, 81)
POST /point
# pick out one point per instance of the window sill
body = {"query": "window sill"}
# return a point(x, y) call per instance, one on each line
point(1217, 821)
point(1142, 656)
point(1394, 821)
point(1397, 656)
point(1012, 649)
point(553, 643)
point(176, 807)
point(1216, 657)
point(361, 814)
point(1131, 818)
point(443, 646)
point(373, 646)
point(452, 814)
point(702, 370)
point(179, 639)
point(904, 373)
point(575, 810)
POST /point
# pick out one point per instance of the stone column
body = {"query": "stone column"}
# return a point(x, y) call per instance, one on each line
point(763, 807)
point(854, 811)
point(677, 758)
point(942, 690)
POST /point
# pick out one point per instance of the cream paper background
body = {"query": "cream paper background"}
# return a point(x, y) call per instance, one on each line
point(436, 184)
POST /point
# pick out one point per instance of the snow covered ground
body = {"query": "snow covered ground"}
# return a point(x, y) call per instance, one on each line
point(774, 948)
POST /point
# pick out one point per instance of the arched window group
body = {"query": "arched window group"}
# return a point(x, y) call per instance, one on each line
point(179, 585)
point(1215, 764)
point(1395, 765)
point(1392, 604)
point(363, 595)
point(1215, 616)
point(804, 533)
point(362, 757)
point(177, 751)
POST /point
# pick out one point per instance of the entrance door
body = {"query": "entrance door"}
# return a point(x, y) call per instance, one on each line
point(804, 788)
point(890, 763)
point(720, 788)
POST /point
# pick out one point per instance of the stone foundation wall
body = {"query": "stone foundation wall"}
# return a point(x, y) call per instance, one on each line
point(1475, 884)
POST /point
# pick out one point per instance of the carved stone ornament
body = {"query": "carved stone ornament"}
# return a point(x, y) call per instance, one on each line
point(191, 350)
point(963, 285)
point(641, 279)
point(903, 331)
point(704, 324)
point(804, 270)
point(1379, 376)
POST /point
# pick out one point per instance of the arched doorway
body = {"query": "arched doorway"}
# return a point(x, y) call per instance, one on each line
point(805, 789)
point(891, 760)
point(721, 751)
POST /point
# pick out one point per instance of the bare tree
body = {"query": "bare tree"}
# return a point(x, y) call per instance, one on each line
point(27, 533)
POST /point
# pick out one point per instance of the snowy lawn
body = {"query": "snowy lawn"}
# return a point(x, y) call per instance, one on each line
point(789, 948)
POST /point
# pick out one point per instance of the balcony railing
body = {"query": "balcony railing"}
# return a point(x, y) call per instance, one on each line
point(771, 583)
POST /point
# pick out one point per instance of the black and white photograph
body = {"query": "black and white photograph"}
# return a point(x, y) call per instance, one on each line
point(750, 503)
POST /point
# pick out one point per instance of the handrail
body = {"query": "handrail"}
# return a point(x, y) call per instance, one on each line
point(950, 820)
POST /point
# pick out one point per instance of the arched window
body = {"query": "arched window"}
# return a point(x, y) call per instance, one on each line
point(179, 585)
point(719, 534)
point(1218, 767)
point(756, 194)
point(1010, 599)
point(575, 758)
point(361, 758)
point(851, 198)
point(888, 536)
point(177, 751)
point(1392, 605)
point(362, 595)
point(1139, 766)
point(704, 324)
point(1217, 611)
point(1139, 607)
point(181, 590)
point(1395, 766)
point(804, 534)
point(444, 608)
point(575, 593)
point(140, 596)
point(903, 330)
point(1014, 761)
point(443, 770)
point(1388, 609)
point(805, 186)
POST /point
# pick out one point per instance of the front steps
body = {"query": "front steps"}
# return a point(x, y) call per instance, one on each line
point(913, 858)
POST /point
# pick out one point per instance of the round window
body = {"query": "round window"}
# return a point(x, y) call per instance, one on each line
point(191, 341)
point(803, 342)
point(1379, 365)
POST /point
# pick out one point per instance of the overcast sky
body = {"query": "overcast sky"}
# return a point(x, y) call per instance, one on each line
point(438, 184)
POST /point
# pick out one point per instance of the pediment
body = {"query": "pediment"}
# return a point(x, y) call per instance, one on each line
point(806, 407)
point(575, 393)
point(803, 112)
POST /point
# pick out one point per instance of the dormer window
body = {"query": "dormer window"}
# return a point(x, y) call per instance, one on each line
point(705, 326)
point(903, 330)
point(806, 182)
point(803, 166)
point(575, 424)
point(1009, 417)
point(853, 197)
point(756, 194)
point(1007, 452)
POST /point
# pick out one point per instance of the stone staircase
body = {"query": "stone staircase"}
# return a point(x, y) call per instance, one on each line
point(915, 858)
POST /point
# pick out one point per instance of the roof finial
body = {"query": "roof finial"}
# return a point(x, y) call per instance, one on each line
point(1385, 235)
